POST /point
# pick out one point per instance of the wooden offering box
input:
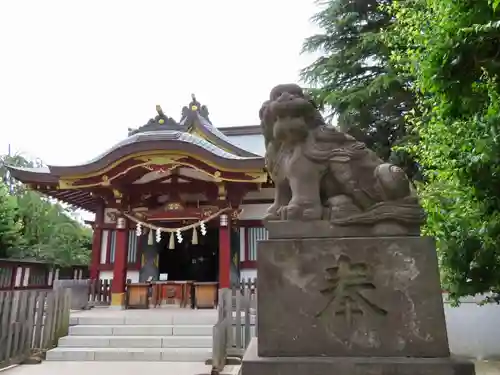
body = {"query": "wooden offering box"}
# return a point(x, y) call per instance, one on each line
point(137, 296)
point(205, 295)
point(173, 293)
point(170, 293)
point(188, 294)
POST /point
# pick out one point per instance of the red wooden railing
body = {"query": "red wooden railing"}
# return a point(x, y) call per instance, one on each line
point(23, 274)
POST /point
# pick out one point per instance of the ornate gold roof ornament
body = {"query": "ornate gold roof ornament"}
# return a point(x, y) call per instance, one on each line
point(221, 191)
point(117, 193)
point(194, 105)
point(176, 206)
point(217, 175)
point(105, 180)
point(159, 110)
point(161, 121)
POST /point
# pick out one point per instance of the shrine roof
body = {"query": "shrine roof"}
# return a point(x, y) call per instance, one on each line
point(200, 125)
point(240, 149)
point(139, 142)
point(39, 175)
point(194, 131)
point(194, 120)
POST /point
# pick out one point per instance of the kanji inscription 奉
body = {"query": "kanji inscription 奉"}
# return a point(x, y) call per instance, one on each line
point(346, 281)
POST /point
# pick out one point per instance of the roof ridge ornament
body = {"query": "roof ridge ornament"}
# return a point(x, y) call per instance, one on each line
point(160, 122)
point(160, 111)
point(195, 106)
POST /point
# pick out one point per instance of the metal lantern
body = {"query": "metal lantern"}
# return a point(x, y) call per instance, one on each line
point(223, 220)
point(121, 223)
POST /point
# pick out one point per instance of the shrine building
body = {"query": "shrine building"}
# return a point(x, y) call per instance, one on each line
point(173, 201)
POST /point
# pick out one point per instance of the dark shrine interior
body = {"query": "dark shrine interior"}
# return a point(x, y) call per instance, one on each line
point(190, 262)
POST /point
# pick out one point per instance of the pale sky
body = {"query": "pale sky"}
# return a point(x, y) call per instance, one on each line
point(74, 75)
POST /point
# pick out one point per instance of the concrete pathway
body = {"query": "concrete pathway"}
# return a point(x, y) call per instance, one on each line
point(488, 368)
point(122, 368)
point(176, 368)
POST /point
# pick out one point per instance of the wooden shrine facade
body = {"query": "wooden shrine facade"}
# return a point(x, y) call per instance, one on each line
point(170, 188)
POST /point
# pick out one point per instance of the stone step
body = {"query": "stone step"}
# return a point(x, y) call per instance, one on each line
point(135, 342)
point(187, 318)
point(130, 354)
point(141, 330)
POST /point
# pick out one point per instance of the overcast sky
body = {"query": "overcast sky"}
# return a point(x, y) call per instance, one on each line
point(74, 75)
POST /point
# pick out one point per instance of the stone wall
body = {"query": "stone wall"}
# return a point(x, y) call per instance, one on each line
point(473, 330)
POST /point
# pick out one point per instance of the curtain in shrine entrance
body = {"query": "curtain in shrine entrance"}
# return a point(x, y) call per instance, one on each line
point(235, 255)
point(149, 260)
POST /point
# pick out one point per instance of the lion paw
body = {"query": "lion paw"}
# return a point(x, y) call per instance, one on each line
point(299, 212)
point(274, 213)
point(291, 212)
point(313, 213)
point(270, 216)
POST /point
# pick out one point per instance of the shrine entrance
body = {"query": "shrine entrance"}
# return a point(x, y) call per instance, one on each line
point(187, 261)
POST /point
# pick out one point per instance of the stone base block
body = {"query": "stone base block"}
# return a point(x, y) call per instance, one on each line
point(117, 301)
point(343, 297)
point(255, 365)
point(323, 229)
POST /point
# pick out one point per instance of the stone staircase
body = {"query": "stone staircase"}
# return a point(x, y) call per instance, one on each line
point(168, 335)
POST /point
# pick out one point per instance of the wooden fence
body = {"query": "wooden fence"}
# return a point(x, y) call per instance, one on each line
point(31, 321)
point(100, 292)
point(30, 274)
point(236, 322)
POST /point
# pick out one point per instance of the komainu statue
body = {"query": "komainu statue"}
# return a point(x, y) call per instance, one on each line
point(321, 173)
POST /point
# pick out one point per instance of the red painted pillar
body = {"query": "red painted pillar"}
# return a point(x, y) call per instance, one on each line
point(96, 244)
point(224, 251)
point(120, 265)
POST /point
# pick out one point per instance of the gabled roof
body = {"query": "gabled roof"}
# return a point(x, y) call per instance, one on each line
point(198, 125)
point(195, 120)
point(140, 142)
point(230, 131)
point(194, 134)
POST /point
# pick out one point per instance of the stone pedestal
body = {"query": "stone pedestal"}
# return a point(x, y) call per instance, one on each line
point(253, 364)
point(349, 305)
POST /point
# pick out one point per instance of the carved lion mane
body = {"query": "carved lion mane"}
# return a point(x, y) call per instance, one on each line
point(288, 101)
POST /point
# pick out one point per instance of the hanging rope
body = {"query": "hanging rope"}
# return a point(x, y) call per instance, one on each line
point(173, 230)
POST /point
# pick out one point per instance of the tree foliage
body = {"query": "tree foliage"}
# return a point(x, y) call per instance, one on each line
point(450, 49)
point(10, 225)
point(354, 79)
point(34, 226)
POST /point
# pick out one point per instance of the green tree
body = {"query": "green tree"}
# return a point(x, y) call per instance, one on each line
point(50, 233)
point(48, 230)
point(10, 226)
point(354, 79)
point(450, 49)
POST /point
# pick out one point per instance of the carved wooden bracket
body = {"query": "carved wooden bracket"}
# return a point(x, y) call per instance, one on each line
point(112, 216)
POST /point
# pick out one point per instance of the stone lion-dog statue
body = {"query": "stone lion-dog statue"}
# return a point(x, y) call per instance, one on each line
point(321, 173)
